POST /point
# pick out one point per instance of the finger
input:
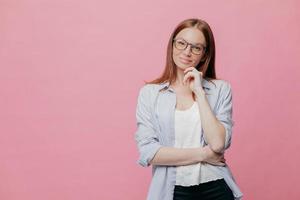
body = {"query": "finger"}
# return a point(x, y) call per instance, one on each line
point(187, 76)
point(188, 69)
point(188, 72)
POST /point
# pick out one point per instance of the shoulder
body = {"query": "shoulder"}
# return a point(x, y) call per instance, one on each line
point(222, 88)
point(149, 88)
point(219, 83)
point(149, 91)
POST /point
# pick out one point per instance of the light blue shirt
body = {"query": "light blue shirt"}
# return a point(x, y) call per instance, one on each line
point(155, 113)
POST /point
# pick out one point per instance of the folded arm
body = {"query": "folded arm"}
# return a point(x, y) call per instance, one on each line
point(153, 152)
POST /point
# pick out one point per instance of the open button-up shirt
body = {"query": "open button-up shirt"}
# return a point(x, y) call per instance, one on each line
point(155, 113)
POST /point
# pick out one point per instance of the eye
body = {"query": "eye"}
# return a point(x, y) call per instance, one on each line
point(198, 48)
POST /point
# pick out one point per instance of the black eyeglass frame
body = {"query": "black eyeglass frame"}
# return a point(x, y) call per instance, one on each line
point(192, 45)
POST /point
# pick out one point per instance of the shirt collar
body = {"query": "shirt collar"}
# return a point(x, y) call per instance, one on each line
point(205, 84)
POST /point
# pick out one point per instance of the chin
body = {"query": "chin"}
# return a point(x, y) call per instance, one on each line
point(182, 67)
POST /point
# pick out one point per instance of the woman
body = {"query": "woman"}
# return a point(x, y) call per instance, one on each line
point(184, 121)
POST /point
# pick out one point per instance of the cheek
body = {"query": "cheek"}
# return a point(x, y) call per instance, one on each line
point(175, 55)
point(176, 52)
point(197, 60)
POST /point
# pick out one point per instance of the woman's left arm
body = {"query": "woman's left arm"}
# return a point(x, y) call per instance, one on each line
point(217, 129)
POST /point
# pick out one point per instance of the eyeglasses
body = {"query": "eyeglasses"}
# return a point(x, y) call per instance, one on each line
point(181, 44)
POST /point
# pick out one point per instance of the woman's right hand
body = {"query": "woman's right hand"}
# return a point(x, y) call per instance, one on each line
point(213, 158)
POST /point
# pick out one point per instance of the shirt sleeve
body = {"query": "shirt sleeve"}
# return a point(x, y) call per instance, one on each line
point(224, 113)
point(146, 135)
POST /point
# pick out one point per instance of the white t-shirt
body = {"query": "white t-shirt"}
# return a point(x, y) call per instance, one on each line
point(188, 135)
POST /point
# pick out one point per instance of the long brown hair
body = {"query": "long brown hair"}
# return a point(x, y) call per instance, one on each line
point(206, 66)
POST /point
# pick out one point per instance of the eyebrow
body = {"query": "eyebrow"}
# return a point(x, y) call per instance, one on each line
point(189, 42)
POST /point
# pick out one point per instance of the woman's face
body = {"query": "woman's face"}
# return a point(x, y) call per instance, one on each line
point(184, 55)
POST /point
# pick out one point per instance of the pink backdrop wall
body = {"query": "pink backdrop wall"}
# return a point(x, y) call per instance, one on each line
point(70, 72)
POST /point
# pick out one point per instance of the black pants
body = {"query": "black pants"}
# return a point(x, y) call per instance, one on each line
point(212, 190)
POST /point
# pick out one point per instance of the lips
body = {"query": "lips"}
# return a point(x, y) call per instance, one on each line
point(184, 60)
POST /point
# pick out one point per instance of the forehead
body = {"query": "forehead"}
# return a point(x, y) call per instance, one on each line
point(192, 35)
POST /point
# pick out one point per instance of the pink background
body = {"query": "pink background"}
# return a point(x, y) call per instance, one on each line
point(70, 72)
